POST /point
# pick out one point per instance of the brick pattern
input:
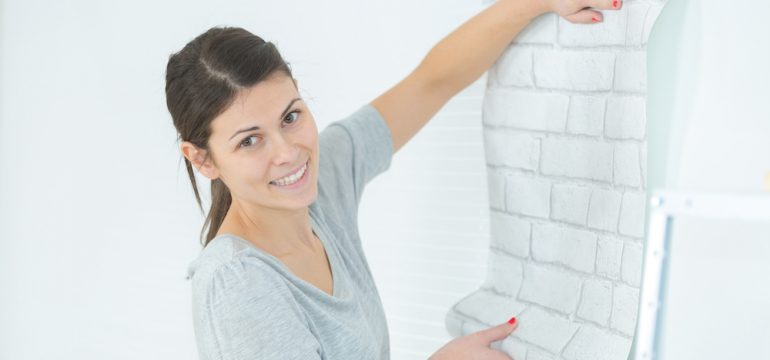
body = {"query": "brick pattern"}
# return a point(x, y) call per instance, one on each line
point(565, 143)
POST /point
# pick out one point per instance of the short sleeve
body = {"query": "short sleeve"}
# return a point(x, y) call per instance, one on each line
point(241, 312)
point(354, 150)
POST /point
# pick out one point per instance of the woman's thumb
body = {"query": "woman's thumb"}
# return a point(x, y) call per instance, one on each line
point(498, 332)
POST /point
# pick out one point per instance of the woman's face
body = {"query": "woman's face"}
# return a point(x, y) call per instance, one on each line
point(265, 147)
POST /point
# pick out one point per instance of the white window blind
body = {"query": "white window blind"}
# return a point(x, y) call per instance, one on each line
point(424, 224)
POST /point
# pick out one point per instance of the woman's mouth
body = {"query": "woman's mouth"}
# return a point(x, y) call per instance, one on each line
point(294, 180)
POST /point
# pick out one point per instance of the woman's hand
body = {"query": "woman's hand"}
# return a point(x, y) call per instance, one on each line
point(578, 11)
point(475, 346)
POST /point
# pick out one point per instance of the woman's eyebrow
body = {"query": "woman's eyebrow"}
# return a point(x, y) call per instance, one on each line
point(257, 127)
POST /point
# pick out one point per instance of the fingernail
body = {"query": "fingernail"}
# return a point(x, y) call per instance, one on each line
point(615, 4)
point(512, 320)
point(594, 19)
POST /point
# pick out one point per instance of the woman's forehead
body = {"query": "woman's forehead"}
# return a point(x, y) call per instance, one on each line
point(261, 105)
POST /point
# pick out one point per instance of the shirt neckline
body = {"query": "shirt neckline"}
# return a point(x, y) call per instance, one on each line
point(330, 253)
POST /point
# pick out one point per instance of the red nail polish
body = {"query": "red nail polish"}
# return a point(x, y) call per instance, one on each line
point(512, 320)
point(594, 19)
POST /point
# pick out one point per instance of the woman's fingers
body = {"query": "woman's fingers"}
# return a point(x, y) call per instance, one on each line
point(589, 13)
point(496, 333)
point(604, 4)
point(585, 16)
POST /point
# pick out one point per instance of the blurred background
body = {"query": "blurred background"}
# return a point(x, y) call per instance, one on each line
point(98, 221)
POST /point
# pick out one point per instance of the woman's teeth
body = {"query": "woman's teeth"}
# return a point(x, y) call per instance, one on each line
point(291, 179)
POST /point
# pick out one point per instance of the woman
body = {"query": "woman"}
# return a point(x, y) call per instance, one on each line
point(282, 274)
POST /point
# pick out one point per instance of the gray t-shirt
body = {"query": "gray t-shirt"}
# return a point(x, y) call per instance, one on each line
point(247, 305)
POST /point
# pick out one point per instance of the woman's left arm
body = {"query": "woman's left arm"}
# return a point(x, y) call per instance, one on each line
point(463, 55)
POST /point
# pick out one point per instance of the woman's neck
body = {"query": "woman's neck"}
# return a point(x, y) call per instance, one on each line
point(280, 232)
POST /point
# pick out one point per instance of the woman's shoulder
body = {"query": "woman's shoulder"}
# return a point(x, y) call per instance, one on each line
point(353, 150)
point(364, 123)
point(219, 250)
point(231, 288)
point(226, 260)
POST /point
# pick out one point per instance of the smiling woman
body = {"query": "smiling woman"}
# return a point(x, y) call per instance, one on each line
point(202, 81)
point(283, 274)
point(264, 136)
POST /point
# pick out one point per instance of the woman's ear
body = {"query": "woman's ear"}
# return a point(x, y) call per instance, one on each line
point(200, 159)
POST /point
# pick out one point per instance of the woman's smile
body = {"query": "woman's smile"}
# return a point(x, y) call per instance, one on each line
point(293, 181)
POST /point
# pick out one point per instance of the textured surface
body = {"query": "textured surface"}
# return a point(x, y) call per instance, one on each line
point(564, 130)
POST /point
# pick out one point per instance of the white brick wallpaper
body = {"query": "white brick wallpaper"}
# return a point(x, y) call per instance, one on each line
point(565, 145)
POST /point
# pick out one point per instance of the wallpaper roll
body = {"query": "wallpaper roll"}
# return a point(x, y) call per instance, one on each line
point(566, 145)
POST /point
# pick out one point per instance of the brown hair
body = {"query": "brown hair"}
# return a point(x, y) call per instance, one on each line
point(202, 80)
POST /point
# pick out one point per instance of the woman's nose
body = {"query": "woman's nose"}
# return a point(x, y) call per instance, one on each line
point(284, 151)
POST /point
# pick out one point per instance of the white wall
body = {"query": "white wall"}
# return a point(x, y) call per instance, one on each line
point(720, 122)
point(97, 218)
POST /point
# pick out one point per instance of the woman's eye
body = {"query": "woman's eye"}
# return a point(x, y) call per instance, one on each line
point(248, 142)
point(289, 120)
